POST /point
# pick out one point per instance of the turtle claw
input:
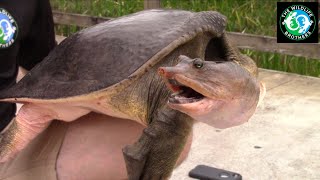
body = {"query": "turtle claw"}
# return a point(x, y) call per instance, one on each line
point(135, 162)
point(136, 158)
point(135, 155)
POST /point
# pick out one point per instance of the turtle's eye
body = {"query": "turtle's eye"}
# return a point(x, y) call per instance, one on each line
point(198, 63)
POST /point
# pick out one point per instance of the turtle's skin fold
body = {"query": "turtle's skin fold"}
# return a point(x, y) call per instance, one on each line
point(113, 68)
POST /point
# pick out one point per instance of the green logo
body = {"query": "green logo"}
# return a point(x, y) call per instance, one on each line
point(8, 29)
point(297, 22)
point(1, 37)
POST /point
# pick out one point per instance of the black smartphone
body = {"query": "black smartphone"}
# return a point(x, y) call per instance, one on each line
point(203, 172)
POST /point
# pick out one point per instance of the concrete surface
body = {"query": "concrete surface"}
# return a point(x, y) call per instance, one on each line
point(280, 142)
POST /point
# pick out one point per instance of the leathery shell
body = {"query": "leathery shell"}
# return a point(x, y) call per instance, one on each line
point(110, 53)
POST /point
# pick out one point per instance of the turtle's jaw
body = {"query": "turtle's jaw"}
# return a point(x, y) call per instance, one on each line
point(184, 90)
point(187, 99)
point(191, 97)
point(182, 94)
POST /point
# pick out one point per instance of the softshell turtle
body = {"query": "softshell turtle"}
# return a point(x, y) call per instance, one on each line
point(162, 68)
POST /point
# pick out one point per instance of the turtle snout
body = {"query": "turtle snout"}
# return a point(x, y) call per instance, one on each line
point(181, 67)
point(170, 72)
point(166, 72)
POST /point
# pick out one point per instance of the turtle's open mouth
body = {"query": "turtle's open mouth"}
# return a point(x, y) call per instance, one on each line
point(183, 94)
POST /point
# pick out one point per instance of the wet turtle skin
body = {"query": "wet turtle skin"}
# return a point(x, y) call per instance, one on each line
point(117, 62)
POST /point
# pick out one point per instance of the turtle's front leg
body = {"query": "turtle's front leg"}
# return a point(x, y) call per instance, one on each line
point(155, 154)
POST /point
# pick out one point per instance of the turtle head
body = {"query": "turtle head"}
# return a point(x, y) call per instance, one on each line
point(219, 94)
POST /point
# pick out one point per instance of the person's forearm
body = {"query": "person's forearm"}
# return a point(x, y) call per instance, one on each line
point(22, 72)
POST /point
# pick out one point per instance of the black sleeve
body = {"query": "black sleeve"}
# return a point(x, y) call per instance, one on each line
point(7, 112)
point(8, 73)
point(37, 41)
point(41, 38)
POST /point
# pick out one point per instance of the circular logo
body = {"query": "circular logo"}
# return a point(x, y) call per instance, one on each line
point(8, 29)
point(297, 22)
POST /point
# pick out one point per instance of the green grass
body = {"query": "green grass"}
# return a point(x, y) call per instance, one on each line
point(248, 16)
point(103, 8)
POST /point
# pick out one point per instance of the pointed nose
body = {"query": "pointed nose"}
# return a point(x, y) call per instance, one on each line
point(166, 72)
point(161, 71)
